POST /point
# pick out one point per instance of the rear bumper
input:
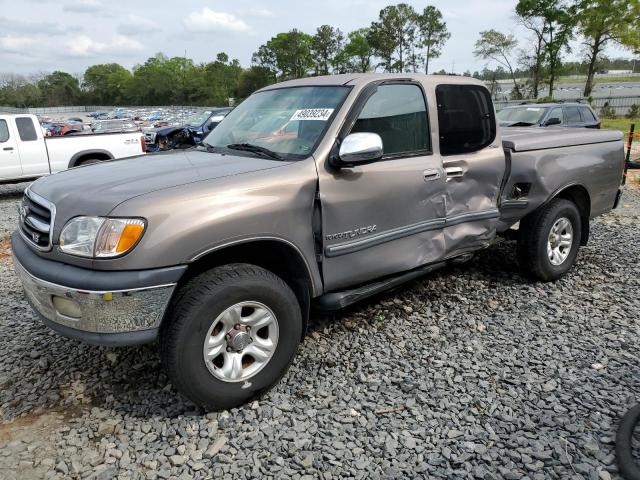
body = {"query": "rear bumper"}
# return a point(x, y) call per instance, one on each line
point(101, 316)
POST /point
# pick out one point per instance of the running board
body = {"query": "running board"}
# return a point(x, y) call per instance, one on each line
point(339, 300)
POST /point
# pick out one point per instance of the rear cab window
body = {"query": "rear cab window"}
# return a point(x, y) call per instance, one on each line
point(587, 114)
point(466, 118)
point(26, 129)
point(398, 113)
point(4, 131)
point(573, 116)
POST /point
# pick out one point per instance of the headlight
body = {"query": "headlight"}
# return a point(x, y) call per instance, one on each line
point(100, 237)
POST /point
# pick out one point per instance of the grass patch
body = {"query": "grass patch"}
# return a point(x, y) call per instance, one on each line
point(621, 124)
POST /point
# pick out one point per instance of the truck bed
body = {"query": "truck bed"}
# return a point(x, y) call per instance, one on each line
point(541, 162)
point(528, 139)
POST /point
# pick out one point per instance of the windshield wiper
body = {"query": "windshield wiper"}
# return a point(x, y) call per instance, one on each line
point(248, 147)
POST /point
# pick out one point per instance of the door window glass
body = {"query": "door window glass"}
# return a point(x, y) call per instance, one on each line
point(4, 131)
point(573, 115)
point(26, 130)
point(398, 113)
point(466, 118)
point(556, 113)
point(587, 114)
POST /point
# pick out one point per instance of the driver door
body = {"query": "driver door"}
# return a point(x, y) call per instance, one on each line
point(384, 217)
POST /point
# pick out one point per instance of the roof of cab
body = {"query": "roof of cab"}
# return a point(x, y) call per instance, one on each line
point(363, 78)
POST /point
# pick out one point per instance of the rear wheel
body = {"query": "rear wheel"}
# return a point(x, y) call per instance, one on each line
point(549, 240)
point(90, 161)
point(231, 335)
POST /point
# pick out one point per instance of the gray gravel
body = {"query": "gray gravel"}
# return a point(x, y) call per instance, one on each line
point(472, 373)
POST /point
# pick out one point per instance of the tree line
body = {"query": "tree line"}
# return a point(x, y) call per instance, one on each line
point(401, 39)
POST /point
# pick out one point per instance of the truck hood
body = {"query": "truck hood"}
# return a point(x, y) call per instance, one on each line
point(98, 189)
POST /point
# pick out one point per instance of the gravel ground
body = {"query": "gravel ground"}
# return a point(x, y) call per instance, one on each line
point(473, 372)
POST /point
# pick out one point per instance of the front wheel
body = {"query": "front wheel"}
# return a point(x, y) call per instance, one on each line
point(231, 334)
point(549, 239)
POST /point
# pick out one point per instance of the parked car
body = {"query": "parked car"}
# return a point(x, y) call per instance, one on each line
point(549, 114)
point(97, 114)
point(191, 133)
point(220, 251)
point(114, 126)
point(26, 154)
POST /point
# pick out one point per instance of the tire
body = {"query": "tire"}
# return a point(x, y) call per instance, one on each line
point(534, 240)
point(89, 161)
point(200, 310)
point(624, 451)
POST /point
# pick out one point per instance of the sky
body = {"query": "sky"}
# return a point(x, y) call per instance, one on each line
point(45, 35)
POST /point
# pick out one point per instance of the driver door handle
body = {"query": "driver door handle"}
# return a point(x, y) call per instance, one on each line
point(7, 149)
point(454, 172)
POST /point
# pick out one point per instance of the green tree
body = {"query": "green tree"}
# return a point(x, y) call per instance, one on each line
point(433, 34)
point(554, 21)
point(253, 79)
point(605, 22)
point(395, 31)
point(357, 53)
point(497, 46)
point(107, 84)
point(287, 55)
point(325, 46)
point(59, 89)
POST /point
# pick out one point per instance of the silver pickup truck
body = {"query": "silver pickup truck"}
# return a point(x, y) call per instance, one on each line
point(312, 193)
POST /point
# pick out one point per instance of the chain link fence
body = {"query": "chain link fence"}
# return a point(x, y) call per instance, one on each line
point(621, 105)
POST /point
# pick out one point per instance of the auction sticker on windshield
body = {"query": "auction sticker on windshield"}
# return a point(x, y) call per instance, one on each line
point(312, 114)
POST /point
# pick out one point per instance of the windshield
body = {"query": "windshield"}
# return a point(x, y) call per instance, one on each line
point(199, 118)
point(531, 115)
point(288, 121)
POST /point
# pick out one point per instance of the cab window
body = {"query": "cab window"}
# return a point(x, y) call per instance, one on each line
point(573, 115)
point(4, 131)
point(556, 113)
point(466, 118)
point(398, 113)
point(26, 130)
point(587, 114)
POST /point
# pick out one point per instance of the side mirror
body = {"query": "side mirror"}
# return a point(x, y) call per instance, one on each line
point(359, 148)
point(552, 121)
point(214, 121)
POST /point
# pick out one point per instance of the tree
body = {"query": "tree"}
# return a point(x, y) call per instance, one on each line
point(325, 46)
point(59, 89)
point(604, 22)
point(106, 84)
point(395, 31)
point(554, 22)
point(357, 53)
point(496, 46)
point(253, 79)
point(287, 55)
point(433, 33)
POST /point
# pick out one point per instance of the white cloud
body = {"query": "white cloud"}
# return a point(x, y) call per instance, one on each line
point(84, 46)
point(207, 20)
point(20, 26)
point(15, 44)
point(83, 6)
point(135, 25)
point(258, 12)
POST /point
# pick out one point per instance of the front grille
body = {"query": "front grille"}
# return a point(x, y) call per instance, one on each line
point(36, 220)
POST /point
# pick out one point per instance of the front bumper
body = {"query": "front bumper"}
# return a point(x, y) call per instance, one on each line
point(103, 316)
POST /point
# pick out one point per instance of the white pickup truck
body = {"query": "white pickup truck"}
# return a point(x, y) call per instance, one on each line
point(26, 154)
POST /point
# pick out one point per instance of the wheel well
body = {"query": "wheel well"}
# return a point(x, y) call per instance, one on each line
point(89, 156)
point(273, 255)
point(580, 197)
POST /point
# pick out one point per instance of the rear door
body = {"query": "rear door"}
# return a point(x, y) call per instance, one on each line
point(384, 217)
point(588, 117)
point(33, 152)
point(474, 163)
point(9, 156)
